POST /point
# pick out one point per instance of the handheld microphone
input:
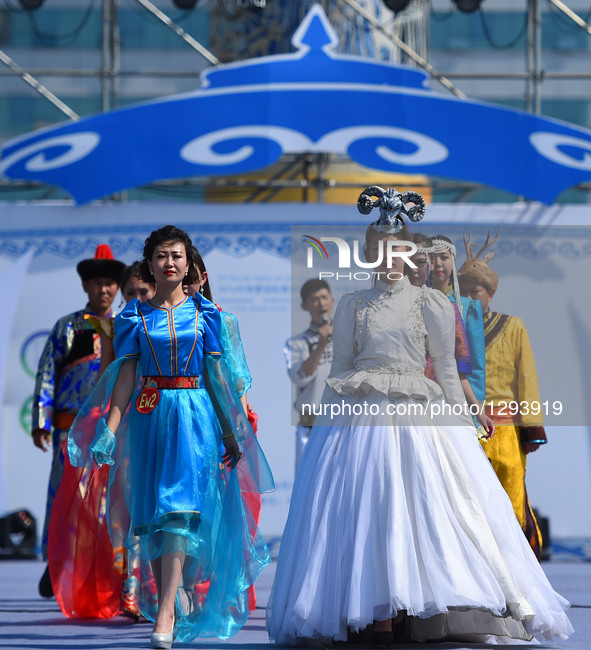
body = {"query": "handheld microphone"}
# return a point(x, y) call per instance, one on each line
point(325, 320)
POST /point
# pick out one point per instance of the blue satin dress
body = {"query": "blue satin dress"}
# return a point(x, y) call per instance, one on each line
point(175, 449)
point(166, 465)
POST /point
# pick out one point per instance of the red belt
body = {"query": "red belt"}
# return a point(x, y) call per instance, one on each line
point(171, 382)
point(62, 421)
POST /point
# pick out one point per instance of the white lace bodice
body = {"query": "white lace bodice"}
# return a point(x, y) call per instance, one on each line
point(381, 336)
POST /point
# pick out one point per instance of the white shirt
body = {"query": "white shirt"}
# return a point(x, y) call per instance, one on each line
point(297, 350)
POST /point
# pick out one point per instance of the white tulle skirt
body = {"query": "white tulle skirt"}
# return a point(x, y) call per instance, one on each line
point(413, 518)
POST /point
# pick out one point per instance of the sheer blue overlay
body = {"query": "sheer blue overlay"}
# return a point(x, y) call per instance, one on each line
point(167, 483)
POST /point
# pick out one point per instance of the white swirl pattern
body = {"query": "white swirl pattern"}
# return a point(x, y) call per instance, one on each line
point(79, 146)
point(429, 151)
point(546, 144)
point(200, 150)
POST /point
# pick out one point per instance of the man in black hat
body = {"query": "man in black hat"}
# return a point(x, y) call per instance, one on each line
point(68, 370)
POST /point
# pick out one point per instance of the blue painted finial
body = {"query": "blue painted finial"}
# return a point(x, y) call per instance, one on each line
point(315, 32)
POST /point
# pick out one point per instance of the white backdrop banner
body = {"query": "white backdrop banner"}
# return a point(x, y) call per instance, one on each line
point(11, 282)
point(247, 249)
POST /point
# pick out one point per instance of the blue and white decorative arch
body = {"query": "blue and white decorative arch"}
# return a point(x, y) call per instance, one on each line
point(247, 114)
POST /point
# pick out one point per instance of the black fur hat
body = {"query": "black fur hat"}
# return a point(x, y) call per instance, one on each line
point(102, 265)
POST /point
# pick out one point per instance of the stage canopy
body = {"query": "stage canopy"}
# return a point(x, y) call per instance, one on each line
point(247, 114)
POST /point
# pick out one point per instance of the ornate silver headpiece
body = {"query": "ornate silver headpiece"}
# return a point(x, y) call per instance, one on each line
point(440, 245)
point(392, 207)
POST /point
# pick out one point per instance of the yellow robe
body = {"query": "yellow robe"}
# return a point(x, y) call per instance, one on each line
point(511, 377)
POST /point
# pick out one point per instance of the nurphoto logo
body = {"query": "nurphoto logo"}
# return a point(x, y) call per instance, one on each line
point(388, 250)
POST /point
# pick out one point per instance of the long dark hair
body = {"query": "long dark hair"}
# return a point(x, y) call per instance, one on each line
point(200, 264)
point(163, 236)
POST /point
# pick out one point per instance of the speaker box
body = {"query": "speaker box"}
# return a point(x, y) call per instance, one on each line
point(18, 536)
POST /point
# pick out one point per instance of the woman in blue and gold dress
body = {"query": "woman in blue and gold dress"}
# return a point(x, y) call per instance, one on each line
point(173, 440)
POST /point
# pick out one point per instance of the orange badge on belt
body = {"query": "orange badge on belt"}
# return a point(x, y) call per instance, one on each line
point(147, 400)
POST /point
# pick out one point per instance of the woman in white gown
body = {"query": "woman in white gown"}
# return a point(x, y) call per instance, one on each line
point(402, 512)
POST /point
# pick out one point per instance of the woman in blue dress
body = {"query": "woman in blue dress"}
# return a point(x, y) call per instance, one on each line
point(444, 277)
point(172, 445)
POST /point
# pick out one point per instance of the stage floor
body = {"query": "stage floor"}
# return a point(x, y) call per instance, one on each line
point(29, 621)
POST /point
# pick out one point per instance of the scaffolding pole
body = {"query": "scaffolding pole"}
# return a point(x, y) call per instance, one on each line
point(419, 60)
point(38, 87)
point(195, 44)
point(572, 15)
point(534, 57)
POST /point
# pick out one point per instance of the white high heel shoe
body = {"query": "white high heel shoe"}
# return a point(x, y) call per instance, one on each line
point(162, 640)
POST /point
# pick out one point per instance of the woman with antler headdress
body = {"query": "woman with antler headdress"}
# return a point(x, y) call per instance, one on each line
point(511, 378)
point(395, 509)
